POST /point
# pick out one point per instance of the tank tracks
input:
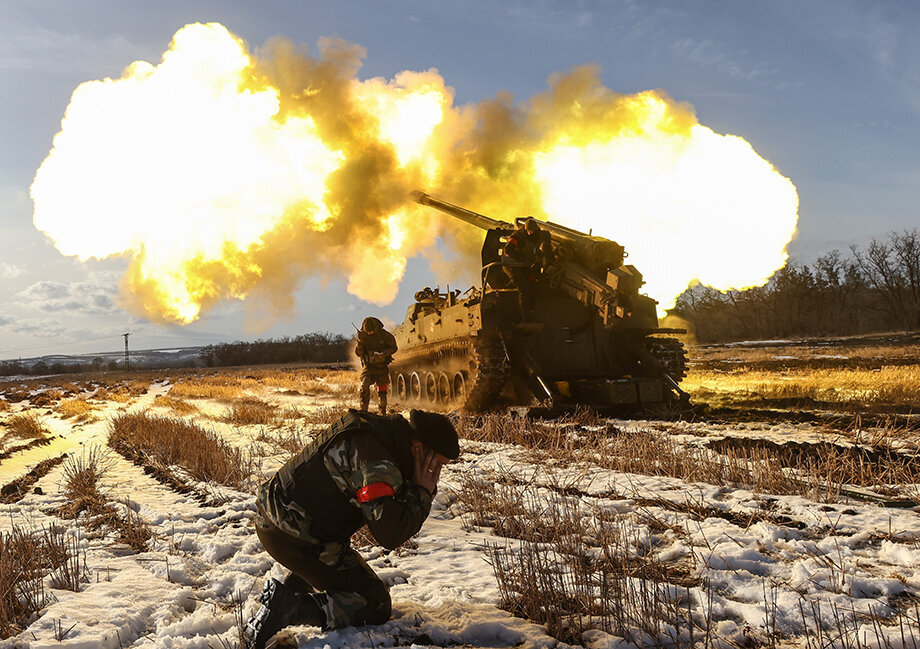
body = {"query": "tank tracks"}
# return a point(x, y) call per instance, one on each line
point(671, 353)
point(468, 373)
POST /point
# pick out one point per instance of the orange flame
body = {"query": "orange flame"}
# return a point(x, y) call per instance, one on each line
point(226, 176)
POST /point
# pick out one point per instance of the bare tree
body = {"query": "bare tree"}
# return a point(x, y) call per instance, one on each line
point(879, 266)
point(906, 248)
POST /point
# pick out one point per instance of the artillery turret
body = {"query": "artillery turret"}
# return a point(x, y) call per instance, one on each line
point(559, 321)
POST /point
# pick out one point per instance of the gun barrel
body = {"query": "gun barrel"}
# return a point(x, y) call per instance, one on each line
point(473, 218)
point(593, 249)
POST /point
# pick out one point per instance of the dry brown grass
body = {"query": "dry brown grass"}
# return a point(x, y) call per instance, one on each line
point(199, 452)
point(26, 425)
point(322, 416)
point(576, 569)
point(16, 393)
point(137, 387)
point(26, 557)
point(292, 412)
point(861, 389)
point(326, 387)
point(817, 471)
point(78, 408)
point(82, 475)
point(17, 489)
point(252, 412)
point(310, 381)
point(202, 389)
point(132, 529)
point(573, 570)
point(840, 352)
point(45, 398)
point(118, 395)
point(81, 484)
point(176, 405)
point(553, 437)
point(4, 405)
point(290, 440)
point(286, 378)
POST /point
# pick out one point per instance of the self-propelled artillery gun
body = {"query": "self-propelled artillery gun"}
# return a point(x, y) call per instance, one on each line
point(563, 326)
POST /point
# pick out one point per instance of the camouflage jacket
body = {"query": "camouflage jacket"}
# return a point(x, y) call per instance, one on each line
point(357, 471)
point(377, 348)
point(528, 248)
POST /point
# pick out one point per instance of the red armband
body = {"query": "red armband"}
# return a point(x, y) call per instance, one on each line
point(374, 491)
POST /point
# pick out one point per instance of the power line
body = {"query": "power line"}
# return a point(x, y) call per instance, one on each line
point(47, 345)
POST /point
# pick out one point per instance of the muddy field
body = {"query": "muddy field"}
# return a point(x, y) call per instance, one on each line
point(783, 512)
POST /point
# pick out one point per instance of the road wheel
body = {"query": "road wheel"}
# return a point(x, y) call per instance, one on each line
point(431, 388)
point(443, 389)
point(459, 388)
point(415, 387)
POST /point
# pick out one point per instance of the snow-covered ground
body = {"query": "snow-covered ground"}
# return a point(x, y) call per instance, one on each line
point(764, 558)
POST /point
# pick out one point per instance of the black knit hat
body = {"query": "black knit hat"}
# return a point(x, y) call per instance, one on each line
point(436, 431)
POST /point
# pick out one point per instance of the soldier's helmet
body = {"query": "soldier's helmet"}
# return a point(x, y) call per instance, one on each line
point(530, 225)
point(371, 325)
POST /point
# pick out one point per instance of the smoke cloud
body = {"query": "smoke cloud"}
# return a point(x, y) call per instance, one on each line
point(227, 174)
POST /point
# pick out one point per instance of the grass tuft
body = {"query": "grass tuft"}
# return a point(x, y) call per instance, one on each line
point(78, 408)
point(116, 395)
point(26, 558)
point(45, 398)
point(82, 475)
point(26, 426)
point(178, 406)
point(218, 388)
point(200, 452)
point(251, 412)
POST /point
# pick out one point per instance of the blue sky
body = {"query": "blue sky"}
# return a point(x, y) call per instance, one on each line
point(828, 91)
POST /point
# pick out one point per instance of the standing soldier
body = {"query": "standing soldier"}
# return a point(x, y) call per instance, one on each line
point(365, 469)
point(375, 348)
point(529, 250)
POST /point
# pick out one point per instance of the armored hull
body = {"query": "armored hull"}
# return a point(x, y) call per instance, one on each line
point(582, 334)
point(460, 354)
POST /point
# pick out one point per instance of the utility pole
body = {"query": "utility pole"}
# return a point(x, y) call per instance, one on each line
point(126, 349)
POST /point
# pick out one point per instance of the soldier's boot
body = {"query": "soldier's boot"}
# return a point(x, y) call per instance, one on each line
point(280, 607)
point(382, 400)
point(365, 398)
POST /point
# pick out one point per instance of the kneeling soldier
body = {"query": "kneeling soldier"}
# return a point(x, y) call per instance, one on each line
point(364, 469)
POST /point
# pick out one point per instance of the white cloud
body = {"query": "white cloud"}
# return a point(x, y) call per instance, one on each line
point(44, 328)
point(9, 271)
point(77, 297)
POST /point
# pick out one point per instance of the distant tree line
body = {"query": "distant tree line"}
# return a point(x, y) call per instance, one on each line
point(13, 368)
point(307, 348)
point(97, 364)
point(874, 289)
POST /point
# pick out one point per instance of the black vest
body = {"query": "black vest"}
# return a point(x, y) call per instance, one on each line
point(305, 480)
